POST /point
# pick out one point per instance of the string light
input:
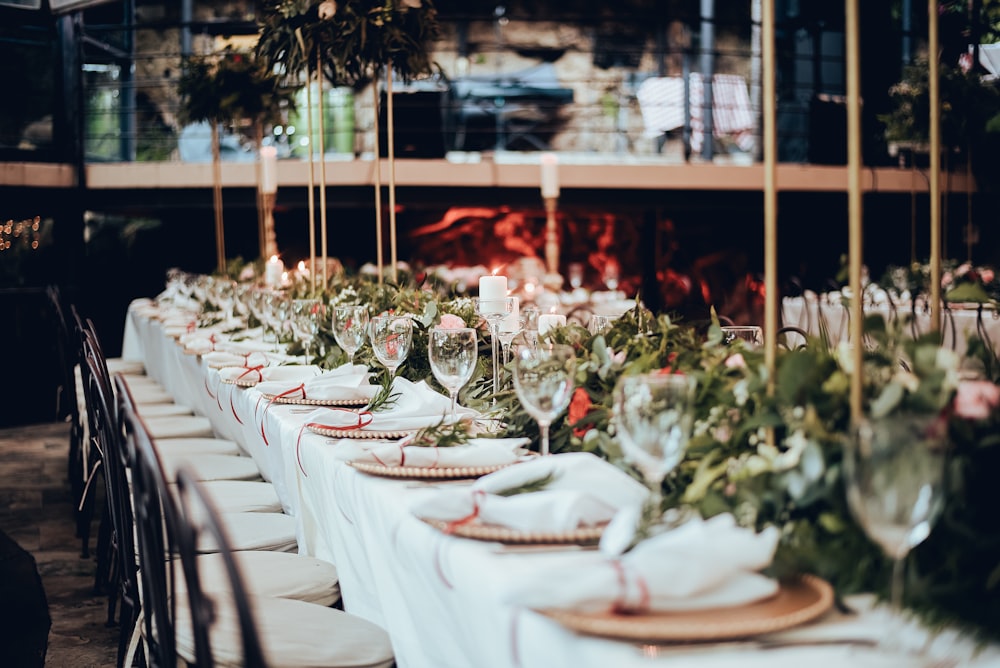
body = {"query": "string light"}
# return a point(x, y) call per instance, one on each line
point(23, 233)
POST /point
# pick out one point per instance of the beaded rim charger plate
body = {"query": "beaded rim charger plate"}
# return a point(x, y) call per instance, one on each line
point(500, 534)
point(426, 472)
point(320, 402)
point(239, 382)
point(797, 601)
point(361, 433)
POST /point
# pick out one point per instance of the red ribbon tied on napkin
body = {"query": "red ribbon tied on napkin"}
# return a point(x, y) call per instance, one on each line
point(319, 425)
point(301, 387)
point(624, 603)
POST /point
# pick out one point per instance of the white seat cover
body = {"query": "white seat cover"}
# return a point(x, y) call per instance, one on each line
point(243, 496)
point(271, 574)
point(255, 531)
point(293, 633)
point(181, 426)
point(126, 367)
point(194, 446)
point(150, 395)
point(162, 410)
point(210, 467)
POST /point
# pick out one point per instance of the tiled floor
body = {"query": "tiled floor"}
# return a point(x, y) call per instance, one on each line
point(36, 512)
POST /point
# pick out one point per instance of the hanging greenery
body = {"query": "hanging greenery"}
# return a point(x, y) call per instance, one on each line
point(231, 86)
point(352, 39)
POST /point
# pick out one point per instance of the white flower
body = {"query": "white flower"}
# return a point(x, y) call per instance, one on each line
point(741, 392)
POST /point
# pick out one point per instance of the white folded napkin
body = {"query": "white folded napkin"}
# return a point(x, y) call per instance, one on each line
point(291, 374)
point(345, 383)
point(699, 565)
point(220, 358)
point(477, 452)
point(584, 491)
point(413, 406)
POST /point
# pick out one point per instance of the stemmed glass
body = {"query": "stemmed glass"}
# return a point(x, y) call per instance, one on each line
point(392, 336)
point(752, 335)
point(654, 416)
point(600, 323)
point(894, 468)
point(350, 327)
point(306, 316)
point(494, 311)
point(277, 311)
point(507, 334)
point(453, 354)
point(543, 381)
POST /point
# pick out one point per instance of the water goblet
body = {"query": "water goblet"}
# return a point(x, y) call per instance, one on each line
point(277, 311)
point(654, 417)
point(610, 274)
point(575, 272)
point(600, 323)
point(306, 316)
point(392, 336)
point(453, 354)
point(543, 381)
point(494, 311)
point(751, 335)
point(894, 471)
point(350, 327)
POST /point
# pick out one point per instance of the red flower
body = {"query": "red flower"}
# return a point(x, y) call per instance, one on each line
point(579, 406)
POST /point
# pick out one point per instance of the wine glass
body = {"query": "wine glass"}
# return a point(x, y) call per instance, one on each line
point(453, 354)
point(277, 311)
point(894, 469)
point(350, 327)
point(306, 316)
point(392, 336)
point(654, 416)
point(575, 271)
point(543, 381)
point(600, 323)
point(752, 335)
point(610, 274)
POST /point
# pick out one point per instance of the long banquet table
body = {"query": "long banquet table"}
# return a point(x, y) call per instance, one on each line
point(442, 598)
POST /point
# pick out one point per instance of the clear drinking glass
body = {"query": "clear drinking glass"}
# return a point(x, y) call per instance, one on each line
point(392, 336)
point(350, 328)
point(894, 470)
point(752, 335)
point(306, 316)
point(494, 311)
point(654, 416)
point(600, 323)
point(453, 354)
point(543, 381)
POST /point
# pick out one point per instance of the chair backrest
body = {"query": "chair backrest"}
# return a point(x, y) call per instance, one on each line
point(108, 435)
point(200, 517)
point(68, 359)
point(155, 518)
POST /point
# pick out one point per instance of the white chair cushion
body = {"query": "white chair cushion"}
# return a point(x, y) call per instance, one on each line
point(293, 633)
point(255, 531)
point(181, 426)
point(150, 395)
point(271, 574)
point(127, 367)
point(197, 446)
point(210, 467)
point(243, 496)
point(162, 410)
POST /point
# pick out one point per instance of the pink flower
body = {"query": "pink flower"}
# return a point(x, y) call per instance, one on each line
point(736, 361)
point(987, 275)
point(976, 399)
point(451, 321)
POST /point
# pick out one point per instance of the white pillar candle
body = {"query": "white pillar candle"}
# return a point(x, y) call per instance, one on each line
point(550, 175)
point(273, 269)
point(492, 292)
point(547, 321)
point(509, 323)
point(268, 170)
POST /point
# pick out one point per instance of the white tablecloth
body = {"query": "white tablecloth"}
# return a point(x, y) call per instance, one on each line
point(441, 598)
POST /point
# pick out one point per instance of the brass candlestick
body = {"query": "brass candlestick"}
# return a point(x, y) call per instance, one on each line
point(269, 239)
point(551, 236)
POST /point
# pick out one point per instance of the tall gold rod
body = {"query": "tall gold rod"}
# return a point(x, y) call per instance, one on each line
point(322, 170)
point(770, 139)
point(390, 131)
point(311, 194)
point(854, 212)
point(934, 95)
point(378, 183)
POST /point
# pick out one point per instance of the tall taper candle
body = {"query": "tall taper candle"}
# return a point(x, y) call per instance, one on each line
point(268, 170)
point(550, 175)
